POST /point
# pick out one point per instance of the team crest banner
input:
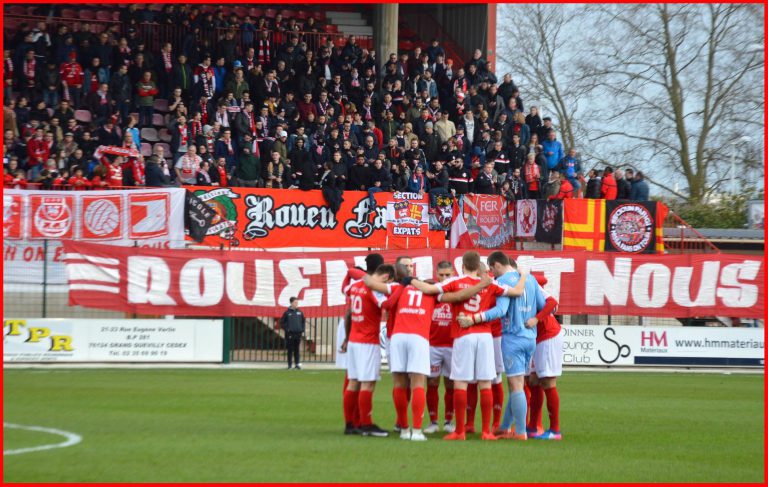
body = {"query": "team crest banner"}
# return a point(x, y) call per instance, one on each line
point(120, 217)
point(549, 225)
point(489, 220)
point(408, 216)
point(526, 217)
point(630, 226)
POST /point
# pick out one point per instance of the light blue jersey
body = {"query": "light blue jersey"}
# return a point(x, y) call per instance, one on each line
point(503, 308)
point(514, 312)
point(526, 307)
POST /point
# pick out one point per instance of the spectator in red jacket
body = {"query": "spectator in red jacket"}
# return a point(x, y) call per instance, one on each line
point(566, 188)
point(72, 79)
point(78, 181)
point(38, 151)
point(115, 172)
point(608, 189)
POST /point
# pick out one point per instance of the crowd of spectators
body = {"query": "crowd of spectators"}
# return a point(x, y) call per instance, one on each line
point(262, 109)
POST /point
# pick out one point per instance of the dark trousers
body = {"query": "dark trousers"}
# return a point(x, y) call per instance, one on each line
point(292, 343)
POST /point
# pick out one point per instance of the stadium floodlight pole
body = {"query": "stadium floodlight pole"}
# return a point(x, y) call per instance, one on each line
point(743, 138)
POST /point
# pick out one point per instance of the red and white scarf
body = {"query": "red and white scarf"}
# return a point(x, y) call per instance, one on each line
point(183, 133)
point(29, 70)
point(264, 51)
point(167, 61)
point(204, 112)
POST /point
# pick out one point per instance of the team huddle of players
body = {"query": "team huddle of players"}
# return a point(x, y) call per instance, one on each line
point(469, 329)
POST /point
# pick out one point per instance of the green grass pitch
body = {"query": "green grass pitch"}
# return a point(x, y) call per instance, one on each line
point(237, 425)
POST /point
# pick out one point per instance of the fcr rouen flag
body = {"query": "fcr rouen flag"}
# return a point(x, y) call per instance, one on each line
point(549, 224)
point(630, 227)
point(198, 216)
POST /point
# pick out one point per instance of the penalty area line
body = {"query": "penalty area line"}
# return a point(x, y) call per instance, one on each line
point(71, 438)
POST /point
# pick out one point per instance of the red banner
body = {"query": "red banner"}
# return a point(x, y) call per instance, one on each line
point(489, 220)
point(276, 218)
point(236, 283)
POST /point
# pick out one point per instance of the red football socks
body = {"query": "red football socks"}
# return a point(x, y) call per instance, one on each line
point(486, 409)
point(418, 399)
point(535, 407)
point(365, 404)
point(460, 409)
point(433, 402)
point(471, 404)
point(553, 406)
point(498, 404)
point(350, 407)
point(448, 401)
point(400, 398)
point(527, 391)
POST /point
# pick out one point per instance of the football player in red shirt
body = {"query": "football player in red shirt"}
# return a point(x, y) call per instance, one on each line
point(363, 348)
point(473, 355)
point(440, 348)
point(546, 367)
point(352, 415)
point(409, 347)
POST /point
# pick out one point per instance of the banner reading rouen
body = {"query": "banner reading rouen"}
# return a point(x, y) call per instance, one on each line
point(234, 283)
point(276, 218)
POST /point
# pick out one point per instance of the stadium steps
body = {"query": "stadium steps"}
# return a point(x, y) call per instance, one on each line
point(350, 23)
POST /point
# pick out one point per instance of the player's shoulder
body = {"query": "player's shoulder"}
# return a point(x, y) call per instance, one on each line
point(353, 283)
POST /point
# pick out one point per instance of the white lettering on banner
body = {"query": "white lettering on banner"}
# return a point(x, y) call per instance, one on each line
point(207, 273)
point(552, 268)
point(335, 270)
point(245, 284)
point(602, 284)
point(746, 295)
point(422, 267)
point(650, 285)
point(264, 295)
point(292, 271)
point(681, 285)
point(149, 280)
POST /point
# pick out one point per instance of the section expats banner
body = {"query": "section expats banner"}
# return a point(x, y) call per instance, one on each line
point(671, 346)
point(79, 340)
point(278, 218)
point(236, 283)
point(147, 217)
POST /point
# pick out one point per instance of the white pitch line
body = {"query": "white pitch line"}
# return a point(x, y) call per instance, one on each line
point(71, 439)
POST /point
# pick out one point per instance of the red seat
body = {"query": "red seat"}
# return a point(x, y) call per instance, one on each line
point(255, 12)
point(241, 12)
point(226, 9)
point(17, 10)
point(302, 15)
point(208, 8)
point(320, 16)
point(288, 14)
point(116, 15)
point(331, 29)
point(68, 13)
point(405, 45)
point(87, 14)
point(104, 15)
point(270, 13)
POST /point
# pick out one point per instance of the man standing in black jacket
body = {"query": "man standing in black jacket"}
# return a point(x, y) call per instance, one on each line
point(624, 187)
point(294, 324)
